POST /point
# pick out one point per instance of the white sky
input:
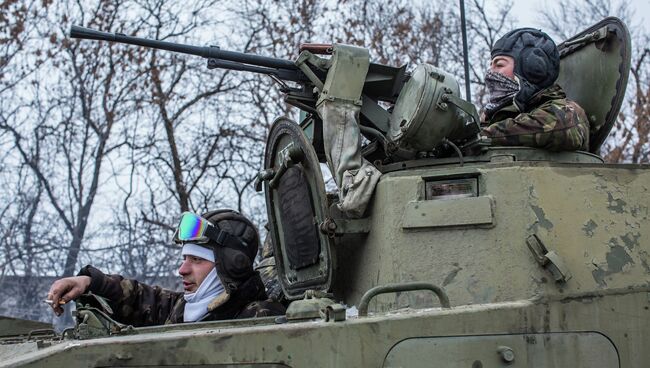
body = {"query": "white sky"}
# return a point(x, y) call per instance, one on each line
point(528, 10)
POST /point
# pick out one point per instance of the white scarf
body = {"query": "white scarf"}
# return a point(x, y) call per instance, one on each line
point(196, 303)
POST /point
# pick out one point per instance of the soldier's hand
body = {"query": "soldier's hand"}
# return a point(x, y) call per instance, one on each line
point(65, 290)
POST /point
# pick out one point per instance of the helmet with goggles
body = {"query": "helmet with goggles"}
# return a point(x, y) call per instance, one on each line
point(232, 237)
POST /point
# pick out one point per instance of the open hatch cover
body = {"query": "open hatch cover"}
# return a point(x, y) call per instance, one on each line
point(296, 206)
point(594, 68)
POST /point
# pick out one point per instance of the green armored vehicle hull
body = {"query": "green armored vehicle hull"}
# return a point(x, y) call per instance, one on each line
point(523, 334)
point(510, 256)
point(506, 308)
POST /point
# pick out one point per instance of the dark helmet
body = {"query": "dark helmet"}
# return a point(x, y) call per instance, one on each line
point(537, 61)
point(234, 257)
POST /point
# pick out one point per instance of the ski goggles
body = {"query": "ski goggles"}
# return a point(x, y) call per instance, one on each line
point(195, 229)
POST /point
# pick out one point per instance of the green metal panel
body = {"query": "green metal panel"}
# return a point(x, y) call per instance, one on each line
point(346, 75)
point(549, 350)
point(448, 212)
point(17, 350)
point(595, 217)
point(595, 74)
point(15, 326)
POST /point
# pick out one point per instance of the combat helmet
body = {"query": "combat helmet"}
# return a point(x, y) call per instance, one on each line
point(236, 247)
point(537, 61)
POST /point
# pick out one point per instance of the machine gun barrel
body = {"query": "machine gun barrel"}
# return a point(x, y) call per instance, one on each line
point(209, 52)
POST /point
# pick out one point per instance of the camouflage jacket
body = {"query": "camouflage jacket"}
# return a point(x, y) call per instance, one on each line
point(555, 124)
point(137, 304)
point(269, 273)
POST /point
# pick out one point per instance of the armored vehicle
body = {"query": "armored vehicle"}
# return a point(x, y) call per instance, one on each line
point(469, 255)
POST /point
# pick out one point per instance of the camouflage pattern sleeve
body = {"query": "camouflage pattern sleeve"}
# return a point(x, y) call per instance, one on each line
point(269, 273)
point(556, 125)
point(133, 302)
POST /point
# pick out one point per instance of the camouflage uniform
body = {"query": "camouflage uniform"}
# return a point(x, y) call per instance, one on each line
point(553, 123)
point(137, 304)
point(269, 273)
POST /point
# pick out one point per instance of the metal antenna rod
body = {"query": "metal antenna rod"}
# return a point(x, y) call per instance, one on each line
point(468, 95)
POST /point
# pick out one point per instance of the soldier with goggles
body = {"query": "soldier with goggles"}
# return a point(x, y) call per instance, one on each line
point(219, 282)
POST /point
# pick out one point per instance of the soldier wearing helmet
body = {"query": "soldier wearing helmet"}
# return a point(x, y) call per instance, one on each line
point(219, 282)
point(525, 105)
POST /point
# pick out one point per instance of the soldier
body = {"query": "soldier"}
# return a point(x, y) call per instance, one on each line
point(217, 270)
point(526, 107)
point(269, 273)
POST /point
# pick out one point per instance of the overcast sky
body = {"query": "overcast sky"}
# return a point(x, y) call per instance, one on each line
point(528, 11)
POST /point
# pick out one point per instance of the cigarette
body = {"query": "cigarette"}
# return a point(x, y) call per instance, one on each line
point(50, 302)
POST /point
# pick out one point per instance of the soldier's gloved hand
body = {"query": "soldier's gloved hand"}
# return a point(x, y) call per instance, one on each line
point(65, 290)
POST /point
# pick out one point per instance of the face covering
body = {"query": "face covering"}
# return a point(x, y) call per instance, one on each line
point(501, 89)
point(196, 303)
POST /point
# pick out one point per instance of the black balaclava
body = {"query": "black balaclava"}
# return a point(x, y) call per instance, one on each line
point(537, 61)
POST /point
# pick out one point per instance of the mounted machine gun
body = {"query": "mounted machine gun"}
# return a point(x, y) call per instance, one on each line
point(425, 105)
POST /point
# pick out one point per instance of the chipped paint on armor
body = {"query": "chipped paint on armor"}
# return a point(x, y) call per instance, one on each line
point(589, 228)
point(541, 217)
point(615, 205)
point(617, 259)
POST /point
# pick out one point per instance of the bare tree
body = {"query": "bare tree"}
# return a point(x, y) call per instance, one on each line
point(19, 22)
point(194, 154)
point(630, 142)
point(486, 22)
point(68, 133)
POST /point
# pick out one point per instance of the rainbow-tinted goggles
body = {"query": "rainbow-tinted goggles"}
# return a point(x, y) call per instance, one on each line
point(195, 229)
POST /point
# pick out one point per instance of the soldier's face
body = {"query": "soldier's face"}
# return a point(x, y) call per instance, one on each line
point(194, 270)
point(503, 65)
